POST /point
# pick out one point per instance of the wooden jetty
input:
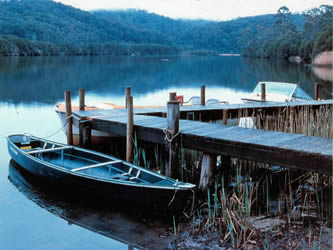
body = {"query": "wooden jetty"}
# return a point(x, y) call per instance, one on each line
point(277, 148)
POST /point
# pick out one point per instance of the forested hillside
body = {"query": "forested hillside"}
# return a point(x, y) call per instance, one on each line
point(44, 27)
point(283, 40)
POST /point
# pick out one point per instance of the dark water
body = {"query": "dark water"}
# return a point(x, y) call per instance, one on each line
point(32, 218)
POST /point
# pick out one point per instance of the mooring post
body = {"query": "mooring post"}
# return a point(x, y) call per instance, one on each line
point(130, 129)
point(85, 134)
point(127, 94)
point(316, 96)
point(225, 117)
point(208, 166)
point(203, 95)
point(69, 119)
point(172, 137)
point(263, 92)
point(172, 96)
point(81, 94)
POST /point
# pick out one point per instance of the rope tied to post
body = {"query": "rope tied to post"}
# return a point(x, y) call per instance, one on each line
point(167, 131)
point(64, 125)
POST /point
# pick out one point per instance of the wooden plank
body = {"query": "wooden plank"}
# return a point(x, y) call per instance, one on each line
point(288, 150)
point(95, 165)
point(48, 150)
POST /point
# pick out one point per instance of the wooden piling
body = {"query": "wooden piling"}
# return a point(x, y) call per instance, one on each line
point(172, 96)
point(208, 166)
point(263, 92)
point(130, 129)
point(85, 134)
point(172, 137)
point(225, 117)
point(316, 96)
point(127, 94)
point(81, 94)
point(203, 95)
point(69, 119)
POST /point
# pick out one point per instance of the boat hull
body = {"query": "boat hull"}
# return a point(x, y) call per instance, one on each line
point(107, 190)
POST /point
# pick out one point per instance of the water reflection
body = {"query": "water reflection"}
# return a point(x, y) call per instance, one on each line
point(44, 79)
point(325, 74)
point(87, 212)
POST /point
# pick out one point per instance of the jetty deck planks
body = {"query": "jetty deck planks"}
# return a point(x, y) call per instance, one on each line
point(277, 148)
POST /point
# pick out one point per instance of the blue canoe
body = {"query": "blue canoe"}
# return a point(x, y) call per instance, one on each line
point(95, 172)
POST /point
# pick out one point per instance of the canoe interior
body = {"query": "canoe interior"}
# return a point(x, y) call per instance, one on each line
point(87, 163)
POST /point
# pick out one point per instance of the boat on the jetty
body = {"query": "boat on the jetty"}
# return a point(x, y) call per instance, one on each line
point(96, 173)
point(277, 92)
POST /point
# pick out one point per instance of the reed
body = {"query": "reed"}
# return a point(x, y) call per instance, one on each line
point(299, 120)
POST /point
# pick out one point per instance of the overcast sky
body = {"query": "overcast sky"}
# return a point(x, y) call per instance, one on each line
point(203, 9)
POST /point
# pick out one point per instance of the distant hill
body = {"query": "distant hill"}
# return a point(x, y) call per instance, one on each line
point(45, 20)
point(100, 32)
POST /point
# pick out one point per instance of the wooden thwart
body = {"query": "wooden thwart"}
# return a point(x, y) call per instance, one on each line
point(95, 165)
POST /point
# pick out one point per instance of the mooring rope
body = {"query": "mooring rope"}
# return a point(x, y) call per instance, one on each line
point(174, 195)
point(67, 120)
point(166, 138)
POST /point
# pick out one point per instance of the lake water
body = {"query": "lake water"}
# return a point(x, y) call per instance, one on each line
point(32, 218)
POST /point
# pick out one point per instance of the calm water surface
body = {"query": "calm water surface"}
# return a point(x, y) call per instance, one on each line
point(29, 90)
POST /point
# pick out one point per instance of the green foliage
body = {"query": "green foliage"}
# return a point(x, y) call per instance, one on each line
point(130, 32)
point(282, 39)
point(44, 27)
point(323, 41)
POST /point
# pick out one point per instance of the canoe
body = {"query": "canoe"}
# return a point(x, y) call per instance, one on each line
point(95, 173)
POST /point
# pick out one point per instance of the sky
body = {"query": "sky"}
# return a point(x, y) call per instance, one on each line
point(200, 9)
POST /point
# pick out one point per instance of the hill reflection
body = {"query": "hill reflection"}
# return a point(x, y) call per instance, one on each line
point(44, 79)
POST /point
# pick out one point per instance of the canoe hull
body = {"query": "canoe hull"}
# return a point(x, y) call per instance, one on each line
point(107, 190)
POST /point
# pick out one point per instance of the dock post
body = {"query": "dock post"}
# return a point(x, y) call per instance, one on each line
point(225, 117)
point(69, 118)
point(208, 166)
point(84, 134)
point(81, 94)
point(127, 94)
point(263, 92)
point(203, 95)
point(130, 129)
point(172, 137)
point(172, 96)
point(316, 96)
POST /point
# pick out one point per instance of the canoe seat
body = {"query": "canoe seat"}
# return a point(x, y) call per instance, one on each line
point(102, 164)
point(128, 173)
point(137, 175)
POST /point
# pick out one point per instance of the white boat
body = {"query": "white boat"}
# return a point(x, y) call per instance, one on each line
point(96, 136)
point(277, 92)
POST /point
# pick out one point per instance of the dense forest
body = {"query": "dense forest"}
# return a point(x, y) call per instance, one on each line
point(283, 40)
point(44, 27)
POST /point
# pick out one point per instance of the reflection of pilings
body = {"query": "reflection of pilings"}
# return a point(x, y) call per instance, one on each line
point(322, 73)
